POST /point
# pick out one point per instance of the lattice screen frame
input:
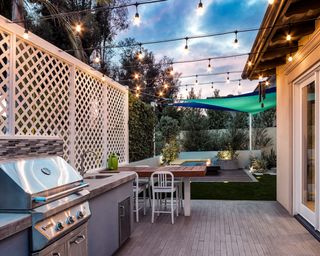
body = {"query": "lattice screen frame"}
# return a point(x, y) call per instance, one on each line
point(41, 94)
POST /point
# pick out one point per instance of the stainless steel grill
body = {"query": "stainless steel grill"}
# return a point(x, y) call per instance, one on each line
point(48, 188)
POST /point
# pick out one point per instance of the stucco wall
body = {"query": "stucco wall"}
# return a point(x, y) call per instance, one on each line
point(306, 60)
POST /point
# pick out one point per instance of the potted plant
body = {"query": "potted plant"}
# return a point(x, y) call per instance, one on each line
point(228, 159)
point(170, 151)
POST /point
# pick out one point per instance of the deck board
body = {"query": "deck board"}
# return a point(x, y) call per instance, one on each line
point(248, 228)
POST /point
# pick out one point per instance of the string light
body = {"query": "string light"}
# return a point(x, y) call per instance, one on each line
point(97, 58)
point(160, 93)
point(270, 1)
point(136, 19)
point(197, 82)
point(165, 86)
point(186, 47)
point(288, 37)
point(290, 57)
point(236, 41)
point(137, 95)
point(267, 83)
point(186, 87)
point(140, 55)
point(228, 78)
point(260, 77)
point(211, 85)
point(209, 69)
point(200, 9)
point(26, 34)
point(103, 78)
point(239, 83)
point(138, 88)
point(78, 28)
point(249, 63)
point(136, 76)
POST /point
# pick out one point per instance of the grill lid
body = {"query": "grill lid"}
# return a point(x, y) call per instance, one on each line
point(35, 175)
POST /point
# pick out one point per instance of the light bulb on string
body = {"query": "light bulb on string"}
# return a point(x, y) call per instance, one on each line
point(196, 82)
point(97, 58)
point(239, 83)
point(103, 78)
point(267, 83)
point(171, 71)
point(26, 34)
point(140, 55)
point(270, 1)
point(137, 95)
point(228, 78)
point(209, 68)
point(186, 47)
point(160, 93)
point(249, 63)
point(138, 88)
point(290, 58)
point(136, 76)
point(288, 37)
point(211, 85)
point(136, 19)
point(165, 86)
point(236, 41)
point(260, 77)
point(186, 87)
point(78, 28)
point(200, 9)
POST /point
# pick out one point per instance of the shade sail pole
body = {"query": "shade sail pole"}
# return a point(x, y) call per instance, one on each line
point(250, 132)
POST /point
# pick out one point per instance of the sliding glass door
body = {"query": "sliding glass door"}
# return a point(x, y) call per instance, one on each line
point(305, 150)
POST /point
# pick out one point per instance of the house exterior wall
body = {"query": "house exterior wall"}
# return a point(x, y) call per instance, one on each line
point(306, 60)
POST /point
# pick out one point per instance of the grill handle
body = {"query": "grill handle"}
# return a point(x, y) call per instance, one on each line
point(41, 199)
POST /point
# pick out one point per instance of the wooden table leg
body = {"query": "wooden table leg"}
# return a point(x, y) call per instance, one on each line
point(187, 197)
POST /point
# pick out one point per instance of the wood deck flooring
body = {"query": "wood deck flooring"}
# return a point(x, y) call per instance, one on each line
point(248, 228)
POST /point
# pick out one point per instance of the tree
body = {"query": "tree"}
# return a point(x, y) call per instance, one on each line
point(141, 125)
point(265, 119)
point(99, 27)
point(169, 128)
point(145, 76)
point(218, 119)
point(196, 136)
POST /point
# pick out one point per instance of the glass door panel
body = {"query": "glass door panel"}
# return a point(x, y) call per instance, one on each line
point(308, 146)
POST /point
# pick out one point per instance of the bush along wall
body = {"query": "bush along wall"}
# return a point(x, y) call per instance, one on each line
point(141, 126)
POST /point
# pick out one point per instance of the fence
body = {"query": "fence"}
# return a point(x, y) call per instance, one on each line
point(47, 92)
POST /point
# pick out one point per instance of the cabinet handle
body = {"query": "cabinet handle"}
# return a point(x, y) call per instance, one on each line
point(79, 239)
point(123, 211)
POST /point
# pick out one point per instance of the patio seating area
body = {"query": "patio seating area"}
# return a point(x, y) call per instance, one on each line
point(248, 228)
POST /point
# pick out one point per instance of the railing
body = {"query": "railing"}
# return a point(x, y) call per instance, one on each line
point(47, 92)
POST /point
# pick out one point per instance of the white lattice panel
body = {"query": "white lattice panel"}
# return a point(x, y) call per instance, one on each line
point(116, 124)
point(89, 120)
point(50, 99)
point(42, 94)
point(4, 80)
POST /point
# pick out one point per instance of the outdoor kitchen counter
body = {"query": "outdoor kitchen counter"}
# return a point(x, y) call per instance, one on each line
point(13, 223)
point(101, 186)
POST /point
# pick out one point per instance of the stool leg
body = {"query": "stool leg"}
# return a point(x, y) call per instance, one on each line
point(137, 207)
point(172, 209)
point(152, 208)
point(144, 201)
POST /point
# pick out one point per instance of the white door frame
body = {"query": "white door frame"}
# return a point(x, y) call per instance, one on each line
point(312, 217)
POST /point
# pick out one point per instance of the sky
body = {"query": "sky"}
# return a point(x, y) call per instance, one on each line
point(179, 18)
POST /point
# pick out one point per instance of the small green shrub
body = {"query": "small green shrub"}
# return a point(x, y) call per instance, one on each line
point(259, 164)
point(170, 151)
point(229, 154)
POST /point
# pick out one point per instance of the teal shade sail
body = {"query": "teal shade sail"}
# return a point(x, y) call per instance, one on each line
point(248, 103)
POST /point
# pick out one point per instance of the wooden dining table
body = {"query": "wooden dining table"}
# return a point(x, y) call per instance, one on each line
point(184, 172)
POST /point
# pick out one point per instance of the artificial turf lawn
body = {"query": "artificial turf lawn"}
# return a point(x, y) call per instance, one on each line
point(264, 189)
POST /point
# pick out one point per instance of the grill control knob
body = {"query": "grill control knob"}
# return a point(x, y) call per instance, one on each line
point(70, 220)
point(59, 226)
point(80, 215)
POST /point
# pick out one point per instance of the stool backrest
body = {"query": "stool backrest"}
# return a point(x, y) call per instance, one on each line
point(162, 179)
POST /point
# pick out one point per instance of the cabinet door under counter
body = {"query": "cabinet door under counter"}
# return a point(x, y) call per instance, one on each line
point(111, 212)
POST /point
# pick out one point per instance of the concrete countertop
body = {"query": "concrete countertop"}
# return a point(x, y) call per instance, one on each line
point(12, 223)
point(113, 180)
